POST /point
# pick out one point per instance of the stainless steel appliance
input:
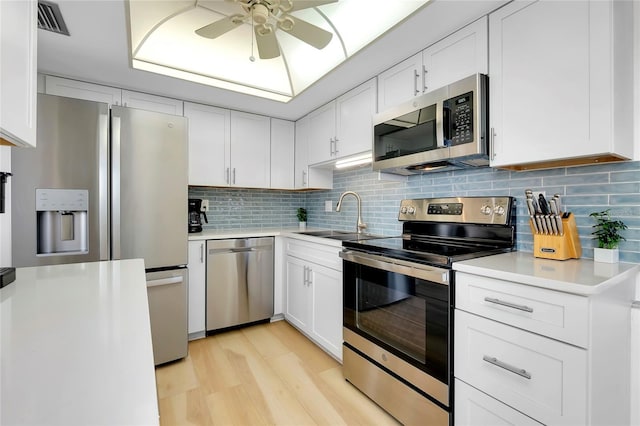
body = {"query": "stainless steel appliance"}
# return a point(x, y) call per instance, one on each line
point(239, 282)
point(108, 184)
point(443, 129)
point(196, 214)
point(399, 298)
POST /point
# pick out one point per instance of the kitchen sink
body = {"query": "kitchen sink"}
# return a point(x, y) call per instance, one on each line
point(340, 235)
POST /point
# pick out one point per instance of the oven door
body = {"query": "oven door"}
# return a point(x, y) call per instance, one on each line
point(402, 307)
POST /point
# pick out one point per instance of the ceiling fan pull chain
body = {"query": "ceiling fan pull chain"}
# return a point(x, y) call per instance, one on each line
point(252, 58)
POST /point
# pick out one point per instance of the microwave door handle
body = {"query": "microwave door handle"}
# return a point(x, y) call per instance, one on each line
point(439, 125)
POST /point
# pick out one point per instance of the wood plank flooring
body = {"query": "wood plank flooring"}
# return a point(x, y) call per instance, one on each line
point(268, 374)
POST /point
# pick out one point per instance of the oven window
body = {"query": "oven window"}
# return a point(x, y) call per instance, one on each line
point(408, 315)
point(407, 134)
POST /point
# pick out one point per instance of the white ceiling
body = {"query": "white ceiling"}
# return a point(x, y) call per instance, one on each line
point(97, 51)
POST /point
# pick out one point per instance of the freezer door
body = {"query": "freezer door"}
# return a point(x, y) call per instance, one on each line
point(167, 295)
point(149, 187)
point(71, 155)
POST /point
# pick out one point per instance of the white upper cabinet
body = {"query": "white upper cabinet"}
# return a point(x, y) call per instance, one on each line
point(308, 177)
point(81, 90)
point(152, 102)
point(343, 127)
point(250, 150)
point(354, 120)
point(209, 144)
point(18, 72)
point(282, 154)
point(322, 133)
point(459, 55)
point(560, 83)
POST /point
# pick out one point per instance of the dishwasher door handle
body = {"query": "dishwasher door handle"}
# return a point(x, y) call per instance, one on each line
point(164, 281)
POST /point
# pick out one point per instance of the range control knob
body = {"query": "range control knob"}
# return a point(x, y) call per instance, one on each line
point(500, 211)
point(486, 210)
point(403, 210)
point(411, 210)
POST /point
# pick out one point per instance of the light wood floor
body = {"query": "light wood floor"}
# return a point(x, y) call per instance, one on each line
point(267, 374)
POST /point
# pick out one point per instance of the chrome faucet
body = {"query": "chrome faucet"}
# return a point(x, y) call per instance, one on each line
point(361, 225)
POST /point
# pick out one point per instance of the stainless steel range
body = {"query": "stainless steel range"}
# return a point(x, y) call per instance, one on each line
point(399, 297)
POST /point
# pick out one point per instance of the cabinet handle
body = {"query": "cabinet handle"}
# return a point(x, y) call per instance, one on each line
point(227, 177)
point(519, 371)
point(331, 151)
point(309, 270)
point(304, 178)
point(335, 146)
point(416, 76)
point(508, 304)
point(202, 253)
point(492, 148)
point(424, 79)
point(234, 175)
point(304, 276)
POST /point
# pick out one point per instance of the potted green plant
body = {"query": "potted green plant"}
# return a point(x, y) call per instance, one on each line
point(302, 217)
point(607, 232)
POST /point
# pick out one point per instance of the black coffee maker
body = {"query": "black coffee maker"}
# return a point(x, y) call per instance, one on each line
point(196, 215)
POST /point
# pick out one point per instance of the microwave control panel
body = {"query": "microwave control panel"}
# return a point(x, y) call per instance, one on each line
point(460, 118)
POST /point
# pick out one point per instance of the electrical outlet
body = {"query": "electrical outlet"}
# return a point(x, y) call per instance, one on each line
point(328, 206)
point(204, 206)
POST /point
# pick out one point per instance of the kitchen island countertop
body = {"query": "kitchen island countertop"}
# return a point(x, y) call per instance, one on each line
point(578, 276)
point(76, 346)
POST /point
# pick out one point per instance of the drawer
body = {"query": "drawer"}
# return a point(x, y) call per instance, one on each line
point(554, 314)
point(540, 377)
point(475, 408)
point(321, 254)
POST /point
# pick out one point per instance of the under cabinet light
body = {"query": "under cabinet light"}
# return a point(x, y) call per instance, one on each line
point(357, 160)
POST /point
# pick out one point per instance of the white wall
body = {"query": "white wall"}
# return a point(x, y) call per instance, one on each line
point(5, 219)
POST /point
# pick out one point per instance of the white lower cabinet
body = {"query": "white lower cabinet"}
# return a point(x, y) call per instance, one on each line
point(197, 288)
point(313, 277)
point(526, 354)
point(475, 408)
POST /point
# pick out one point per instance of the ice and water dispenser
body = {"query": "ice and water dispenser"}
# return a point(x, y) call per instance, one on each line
point(62, 216)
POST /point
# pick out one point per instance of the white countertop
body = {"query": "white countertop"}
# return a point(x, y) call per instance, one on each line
point(76, 346)
point(292, 232)
point(577, 276)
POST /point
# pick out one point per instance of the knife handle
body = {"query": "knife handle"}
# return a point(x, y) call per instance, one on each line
point(559, 224)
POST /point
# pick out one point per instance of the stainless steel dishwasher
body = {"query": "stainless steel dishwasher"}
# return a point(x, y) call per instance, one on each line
point(239, 281)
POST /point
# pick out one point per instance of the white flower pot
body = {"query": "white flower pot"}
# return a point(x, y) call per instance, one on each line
point(606, 255)
point(303, 226)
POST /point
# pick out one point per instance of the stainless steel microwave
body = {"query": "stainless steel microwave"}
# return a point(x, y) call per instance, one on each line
point(445, 128)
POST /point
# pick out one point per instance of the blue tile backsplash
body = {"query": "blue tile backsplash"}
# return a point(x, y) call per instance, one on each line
point(584, 189)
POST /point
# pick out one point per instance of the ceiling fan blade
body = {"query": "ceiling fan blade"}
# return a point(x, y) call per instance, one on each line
point(307, 32)
point(267, 43)
point(216, 29)
point(306, 4)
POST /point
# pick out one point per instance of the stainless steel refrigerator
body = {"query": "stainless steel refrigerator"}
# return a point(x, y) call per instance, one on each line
point(108, 184)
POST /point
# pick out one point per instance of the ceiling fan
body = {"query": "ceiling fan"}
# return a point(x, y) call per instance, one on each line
point(267, 16)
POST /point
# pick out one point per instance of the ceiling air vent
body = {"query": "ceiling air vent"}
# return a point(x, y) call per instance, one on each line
point(50, 18)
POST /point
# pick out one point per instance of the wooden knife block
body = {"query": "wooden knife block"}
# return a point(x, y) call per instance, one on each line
point(558, 247)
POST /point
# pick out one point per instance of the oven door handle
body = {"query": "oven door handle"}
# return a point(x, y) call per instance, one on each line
point(416, 270)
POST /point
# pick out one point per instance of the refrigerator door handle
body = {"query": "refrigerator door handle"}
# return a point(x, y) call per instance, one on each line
point(164, 281)
point(115, 186)
point(103, 186)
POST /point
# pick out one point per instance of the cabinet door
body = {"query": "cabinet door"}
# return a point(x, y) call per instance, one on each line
point(81, 90)
point(322, 133)
point(197, 286)
point(460, 55)
point(298, 299)
point(400, 83)
point(301, 178)
point(209, 144)
point(551, 85)
point(151, 102)
point(326, 286)
point(18, 81)
point(354, 115)
point(250, 150)
point(282, 154)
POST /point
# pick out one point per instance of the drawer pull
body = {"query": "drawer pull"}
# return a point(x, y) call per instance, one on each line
point(516, 370)
point(508, 304)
